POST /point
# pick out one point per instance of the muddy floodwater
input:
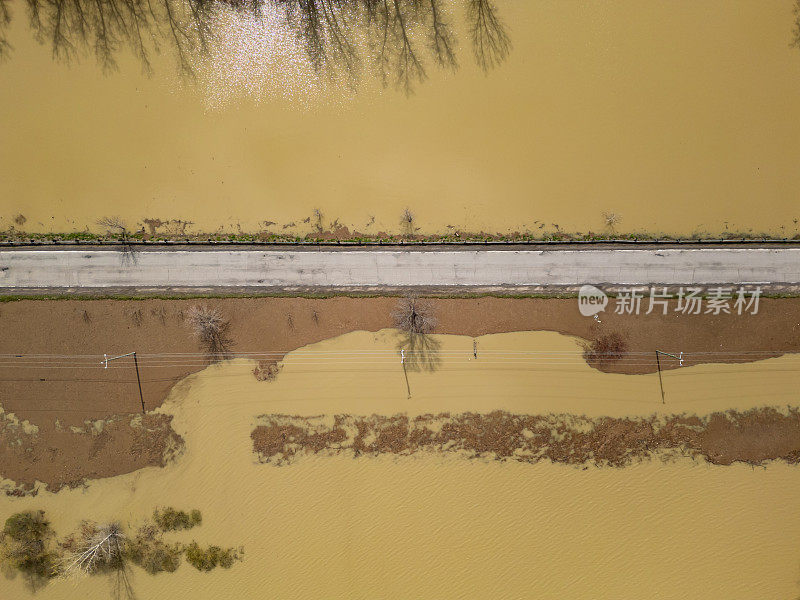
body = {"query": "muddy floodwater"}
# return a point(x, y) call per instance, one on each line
point(446, 526)
point(606, 117)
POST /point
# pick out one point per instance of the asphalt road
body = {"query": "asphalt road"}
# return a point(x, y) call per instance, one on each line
point(112, 270)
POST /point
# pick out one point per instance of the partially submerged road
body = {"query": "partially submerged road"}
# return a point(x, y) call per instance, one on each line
point(90, 270)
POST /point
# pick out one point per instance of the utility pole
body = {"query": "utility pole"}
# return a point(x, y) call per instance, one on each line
point(107, 358)
point(658, 365)
point(405, 372)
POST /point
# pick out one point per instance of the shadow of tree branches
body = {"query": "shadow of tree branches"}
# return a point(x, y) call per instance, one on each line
point(420, 351)
point(396, 38)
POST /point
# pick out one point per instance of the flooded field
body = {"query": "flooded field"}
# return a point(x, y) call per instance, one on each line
point(604, 117)
point(445, 525)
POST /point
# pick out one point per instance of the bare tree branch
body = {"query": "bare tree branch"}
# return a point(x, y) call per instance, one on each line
point(414, 315)
point(490, 42)
point(96, 548)
point(211, 329)
point(5, 19)
point(400, 34)
point(442, 38)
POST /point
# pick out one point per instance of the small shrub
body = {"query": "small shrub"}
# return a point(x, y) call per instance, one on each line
point(611, 219)
point(149, 552)
point(27, 526)
point(606, 348)
point(170, 519)
point(161, 558)
point(208, 558)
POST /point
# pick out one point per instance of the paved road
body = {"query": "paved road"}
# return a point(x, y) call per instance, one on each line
point(26, 271)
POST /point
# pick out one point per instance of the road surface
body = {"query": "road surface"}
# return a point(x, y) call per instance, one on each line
point(92, 270)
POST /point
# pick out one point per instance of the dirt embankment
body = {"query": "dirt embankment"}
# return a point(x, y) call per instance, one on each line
point(753, 437)
point(54, 392)
point(67, 455)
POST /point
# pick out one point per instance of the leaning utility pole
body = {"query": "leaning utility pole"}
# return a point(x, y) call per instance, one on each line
point(107, 358)
point(403, 362)
point(658, 365)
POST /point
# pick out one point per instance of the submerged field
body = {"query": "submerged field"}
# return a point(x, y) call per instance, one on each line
point(457, 523)
point(607, 118)
point(66, 418)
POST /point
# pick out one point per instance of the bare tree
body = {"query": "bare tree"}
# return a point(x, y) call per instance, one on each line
point(796, 31)
point(211, 329)
point(414, 315)
point(117, 225)
point(400, 35)
point(112, 224)
point(96, 548)
point(105, 26)
point(5, 19)
point(442, 38)
point(490, 42)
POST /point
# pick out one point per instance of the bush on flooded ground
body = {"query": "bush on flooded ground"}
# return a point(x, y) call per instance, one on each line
point(170, 519)
point(29, 545)
point(604, 349)
point(206, 559)
point(150, 552)
point(25, 546)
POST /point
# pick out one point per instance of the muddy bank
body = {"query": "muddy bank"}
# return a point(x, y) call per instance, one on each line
point(174, 230)
point(55, 393)
point(68, 455)
point(722, 438)
point(153, 327)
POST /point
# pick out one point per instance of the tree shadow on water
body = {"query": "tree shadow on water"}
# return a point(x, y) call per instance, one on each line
point(121, 586)
point(396, 39)
point(420, 352)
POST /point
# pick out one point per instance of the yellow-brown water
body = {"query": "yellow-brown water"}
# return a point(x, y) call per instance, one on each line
point(432, 527)
point(678, 117)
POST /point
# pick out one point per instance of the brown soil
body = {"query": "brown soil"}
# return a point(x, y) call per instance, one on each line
point(57, 391)
point(67, 455)
point(753, 437)
point(266, 370)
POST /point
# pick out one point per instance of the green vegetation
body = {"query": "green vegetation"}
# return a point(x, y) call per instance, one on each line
point(151, 553)
point(26, 546)
point(206, 559)
point(170, 519)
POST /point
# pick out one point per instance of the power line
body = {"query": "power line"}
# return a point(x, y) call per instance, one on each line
point(390, 351)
